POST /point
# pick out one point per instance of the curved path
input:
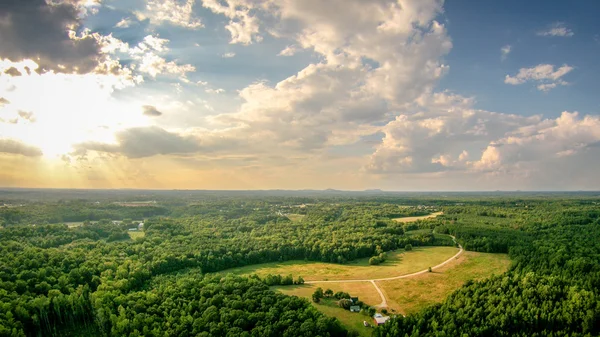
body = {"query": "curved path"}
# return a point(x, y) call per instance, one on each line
point(383, 300)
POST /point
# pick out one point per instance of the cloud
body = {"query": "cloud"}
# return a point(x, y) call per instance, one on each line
point(45, 31)
point(151, 111)
point(16, 147)
point(243, 26)
point(560, 139)
point(369, 66)
point(505, 51)
point(142, 142)
point(12, 71)
point(214, 91)
point(172, 11)
point(146, 56)
point(288, 51)
point(28, 116)
point(125, 23)
point(228, 55)
point(544, 74)
point(3, 101)
point(556, 29)
point(440, 137)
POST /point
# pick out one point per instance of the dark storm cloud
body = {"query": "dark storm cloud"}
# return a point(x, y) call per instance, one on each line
point(151, 111)
point(34, 29)
point(143, 142)
point(17, 147)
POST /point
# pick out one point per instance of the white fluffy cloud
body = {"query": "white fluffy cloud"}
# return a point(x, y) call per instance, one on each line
point(543, 74)
point(243, 26)
point(173, 12)
point(371, 64)
point(440, 134)
point(556, 29)
point(549, 140)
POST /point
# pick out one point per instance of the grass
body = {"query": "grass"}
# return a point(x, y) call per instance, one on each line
point(413, 294)
point(363, 290)
point(351, 320)
point(415, 218)
point(398, 263)
point(136, 234)
point(295, 217)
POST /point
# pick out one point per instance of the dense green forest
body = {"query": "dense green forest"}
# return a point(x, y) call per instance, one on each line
point(57, 280)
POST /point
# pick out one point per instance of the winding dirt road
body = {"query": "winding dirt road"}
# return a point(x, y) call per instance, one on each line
point(383, 303)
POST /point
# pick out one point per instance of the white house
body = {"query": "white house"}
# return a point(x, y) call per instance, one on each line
point(380, 319)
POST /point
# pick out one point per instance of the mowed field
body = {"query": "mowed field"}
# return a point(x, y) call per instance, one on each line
point(398, 263)
point(413, 294)
point(415, 218)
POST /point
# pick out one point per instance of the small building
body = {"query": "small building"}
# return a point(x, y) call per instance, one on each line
point(354, 308)
point(133, 229)
point(380, 319)
point(140, 226)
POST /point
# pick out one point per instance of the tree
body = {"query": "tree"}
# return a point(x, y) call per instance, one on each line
point(328, 293)
point(317, 295)
point(429, 269)
point(345, 303)
point(408, 247)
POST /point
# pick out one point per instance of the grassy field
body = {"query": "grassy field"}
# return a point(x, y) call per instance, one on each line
point(136, 234)
point(398, 263)
point(415, 218)
point(295, 217)
point(413, 294)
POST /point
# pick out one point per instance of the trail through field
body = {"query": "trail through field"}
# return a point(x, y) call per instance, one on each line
point(383, 303)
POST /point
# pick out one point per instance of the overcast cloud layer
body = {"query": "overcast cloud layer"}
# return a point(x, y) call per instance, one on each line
point(356, 102)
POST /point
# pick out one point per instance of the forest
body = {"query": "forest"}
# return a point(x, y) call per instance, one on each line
point(94, 278)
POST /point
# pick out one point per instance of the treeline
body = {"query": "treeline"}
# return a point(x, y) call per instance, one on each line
point(74, 211)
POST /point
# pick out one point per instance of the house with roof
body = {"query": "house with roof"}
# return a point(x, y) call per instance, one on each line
point(380, 319)
point(354, 308)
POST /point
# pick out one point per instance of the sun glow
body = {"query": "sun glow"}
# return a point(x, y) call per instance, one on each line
point(54, 111)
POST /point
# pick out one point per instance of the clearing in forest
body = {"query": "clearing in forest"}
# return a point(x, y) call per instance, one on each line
point(415, 218)
point(398, 263)
point(410, 295)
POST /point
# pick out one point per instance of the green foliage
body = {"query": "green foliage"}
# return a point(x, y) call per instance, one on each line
point(552, 288)
point(408, 247)
point(56, 280)
point(345, 303)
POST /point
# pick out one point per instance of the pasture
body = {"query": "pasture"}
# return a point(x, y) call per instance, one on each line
point(415, 218)
point(398, 263)
point(410, 295)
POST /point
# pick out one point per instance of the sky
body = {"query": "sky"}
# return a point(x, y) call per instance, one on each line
point(398, 95)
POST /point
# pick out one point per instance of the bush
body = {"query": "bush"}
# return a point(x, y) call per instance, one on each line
point(408, 247)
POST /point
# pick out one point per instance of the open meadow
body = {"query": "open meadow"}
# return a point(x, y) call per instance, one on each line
point(410, 295)
point(415, 218)
point(399, 262)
